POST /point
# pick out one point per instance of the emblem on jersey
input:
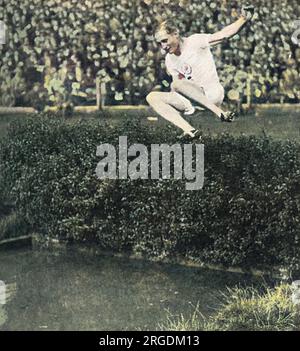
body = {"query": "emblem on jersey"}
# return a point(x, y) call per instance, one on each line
point(185, 71)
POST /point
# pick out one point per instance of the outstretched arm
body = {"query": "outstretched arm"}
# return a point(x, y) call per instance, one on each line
point(227, 32)
point(231, 30)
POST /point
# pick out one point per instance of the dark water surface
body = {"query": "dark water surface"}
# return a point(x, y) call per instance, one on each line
point(71, 291)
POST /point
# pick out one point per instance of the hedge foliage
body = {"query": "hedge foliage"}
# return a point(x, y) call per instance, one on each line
point(55, 49)
point(247, 213)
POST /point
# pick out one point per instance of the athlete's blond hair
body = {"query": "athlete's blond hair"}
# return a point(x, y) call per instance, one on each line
point(167, 26)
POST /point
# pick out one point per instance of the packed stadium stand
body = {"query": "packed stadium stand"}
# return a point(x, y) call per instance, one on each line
point(56, 49)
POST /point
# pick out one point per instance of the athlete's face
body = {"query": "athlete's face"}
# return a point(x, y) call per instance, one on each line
point(168, 42)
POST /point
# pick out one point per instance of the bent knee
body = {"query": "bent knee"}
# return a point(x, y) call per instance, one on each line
point(176, 85)
point(153, 97)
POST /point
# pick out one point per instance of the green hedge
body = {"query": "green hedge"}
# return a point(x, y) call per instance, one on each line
point(245, 215)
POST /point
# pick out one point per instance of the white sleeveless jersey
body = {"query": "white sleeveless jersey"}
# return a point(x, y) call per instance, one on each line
point(195, 62)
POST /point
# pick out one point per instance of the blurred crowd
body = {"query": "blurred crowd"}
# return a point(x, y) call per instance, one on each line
point(55, 49)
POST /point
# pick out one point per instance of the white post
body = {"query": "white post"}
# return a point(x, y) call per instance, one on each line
point(249, 79)
point(98, 94)
point(2, 33)
point(103, 94)
point(2, 293)
point(296, 293)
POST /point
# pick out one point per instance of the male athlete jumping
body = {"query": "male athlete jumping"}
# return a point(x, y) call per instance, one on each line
point(191, 64)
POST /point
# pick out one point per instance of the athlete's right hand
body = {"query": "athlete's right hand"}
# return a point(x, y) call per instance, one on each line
point(248, 11)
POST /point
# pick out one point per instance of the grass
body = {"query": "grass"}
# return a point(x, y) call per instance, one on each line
point(245, 309)
point(181, 323)
point(275, 123)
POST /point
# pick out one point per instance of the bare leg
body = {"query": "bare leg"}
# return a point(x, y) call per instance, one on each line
point(196, 93)
point(167, 104)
